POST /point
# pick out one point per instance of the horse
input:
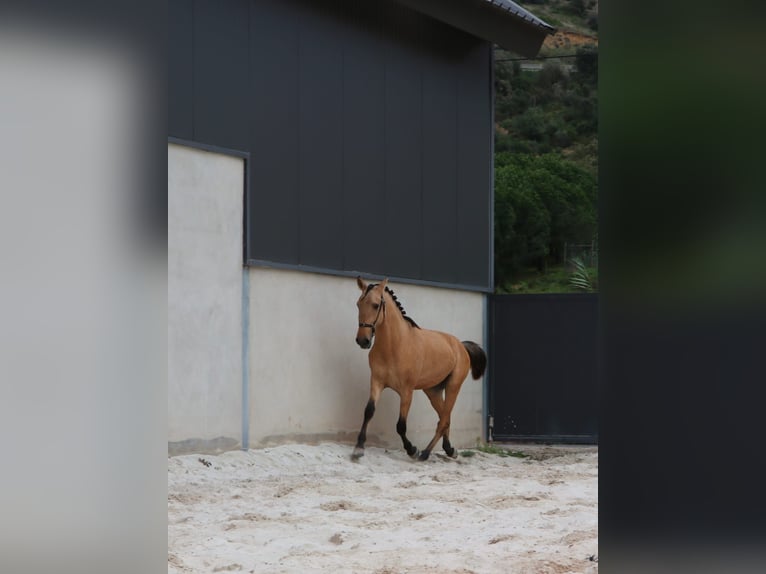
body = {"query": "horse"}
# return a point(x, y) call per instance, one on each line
point(407, 358)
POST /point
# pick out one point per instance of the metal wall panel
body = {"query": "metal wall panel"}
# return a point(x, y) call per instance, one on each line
point(364, 159)
point(220, 72)
point(181, 69)
point(544, 367)
point(440, 162)
point(474, 147)
point(273, 195)
point(369, 128)
point(320, 141)
point(402, 222)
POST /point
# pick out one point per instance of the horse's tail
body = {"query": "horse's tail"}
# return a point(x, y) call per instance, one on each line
point(478, 358)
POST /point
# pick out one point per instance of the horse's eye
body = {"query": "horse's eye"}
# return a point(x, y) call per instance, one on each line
point(375, 306)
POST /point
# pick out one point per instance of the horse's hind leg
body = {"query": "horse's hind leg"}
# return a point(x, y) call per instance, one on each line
point(446, 445)
point(438, 403)
point(401, 424)
point(443, 405)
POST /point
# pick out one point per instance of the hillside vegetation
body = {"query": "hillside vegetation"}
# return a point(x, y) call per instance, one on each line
point(566, 15)
point(546, 154)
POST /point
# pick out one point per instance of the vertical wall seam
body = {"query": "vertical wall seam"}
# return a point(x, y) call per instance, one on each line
point(245, 358)
point(343, 152)
point(245, 305)
point(456, 275)
point(384, 263)
point(488, 370)
point(491, 168)
point(193, 75)
point(488, 335)
point(298, 39)
point(251, 128)
point(422, 172)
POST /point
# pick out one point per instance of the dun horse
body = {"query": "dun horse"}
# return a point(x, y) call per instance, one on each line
point(406, 358)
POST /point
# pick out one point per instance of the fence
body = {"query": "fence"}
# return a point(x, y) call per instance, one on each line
point(587, 252)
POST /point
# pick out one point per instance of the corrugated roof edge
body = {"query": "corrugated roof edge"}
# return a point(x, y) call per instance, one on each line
point(522, 13)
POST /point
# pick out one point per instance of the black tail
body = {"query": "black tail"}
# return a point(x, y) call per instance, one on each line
point(478, 358)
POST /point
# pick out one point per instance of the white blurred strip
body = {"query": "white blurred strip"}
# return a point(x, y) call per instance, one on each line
point(75, 303)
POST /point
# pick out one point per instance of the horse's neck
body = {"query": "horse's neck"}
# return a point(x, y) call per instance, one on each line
point(395, 328)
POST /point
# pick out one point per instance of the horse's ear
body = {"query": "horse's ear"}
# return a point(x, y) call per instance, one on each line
point(360, 282)
point(384, 283)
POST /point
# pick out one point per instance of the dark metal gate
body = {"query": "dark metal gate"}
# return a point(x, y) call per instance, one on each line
point(544, 368)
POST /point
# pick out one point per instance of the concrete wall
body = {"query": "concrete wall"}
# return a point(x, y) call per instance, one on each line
point(308, 379)
point(204, 299)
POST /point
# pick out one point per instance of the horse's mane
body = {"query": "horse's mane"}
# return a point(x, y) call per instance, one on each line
point(390, 291)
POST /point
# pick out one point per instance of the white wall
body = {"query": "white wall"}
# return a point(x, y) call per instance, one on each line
point(204, 298)
point(308, 377)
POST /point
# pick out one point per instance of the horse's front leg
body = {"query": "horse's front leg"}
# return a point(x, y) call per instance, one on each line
point(369, 410)
point(401, 424)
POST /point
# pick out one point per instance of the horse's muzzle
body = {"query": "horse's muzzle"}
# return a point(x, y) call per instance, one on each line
point(363, 342)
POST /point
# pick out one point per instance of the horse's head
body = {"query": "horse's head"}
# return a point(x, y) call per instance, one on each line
point(372, 310)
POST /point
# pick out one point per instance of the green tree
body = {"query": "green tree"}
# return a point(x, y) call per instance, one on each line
point(541, 202)
point(522, 222)
point(577, 7)
point(546, 158)
point(586, 63)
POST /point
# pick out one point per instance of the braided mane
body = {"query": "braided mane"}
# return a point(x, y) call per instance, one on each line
point(390, 291)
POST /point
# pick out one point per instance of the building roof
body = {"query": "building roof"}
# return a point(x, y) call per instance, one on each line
point(522, 13)
point(502, 22)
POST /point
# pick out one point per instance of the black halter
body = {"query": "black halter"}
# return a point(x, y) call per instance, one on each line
point(375, 322)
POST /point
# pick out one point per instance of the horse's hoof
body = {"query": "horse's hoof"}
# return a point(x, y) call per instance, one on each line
point(452, 454)
point(357, 454)
point(415, 454)
point(424, 455)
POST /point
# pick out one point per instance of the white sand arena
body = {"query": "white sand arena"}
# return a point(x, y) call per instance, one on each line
point(304, 509)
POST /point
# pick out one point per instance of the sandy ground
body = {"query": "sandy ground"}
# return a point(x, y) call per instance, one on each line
point(302, 508)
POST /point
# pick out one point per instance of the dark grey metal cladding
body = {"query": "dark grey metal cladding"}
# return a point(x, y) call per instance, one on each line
point(364, 128)
point(440, 151)
point(320, 138)
point(274, 180)
point(544, 367)
point(402, 222)
point(474, 169)
point(181, 69)
point(220, 72)
point(369, 129)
